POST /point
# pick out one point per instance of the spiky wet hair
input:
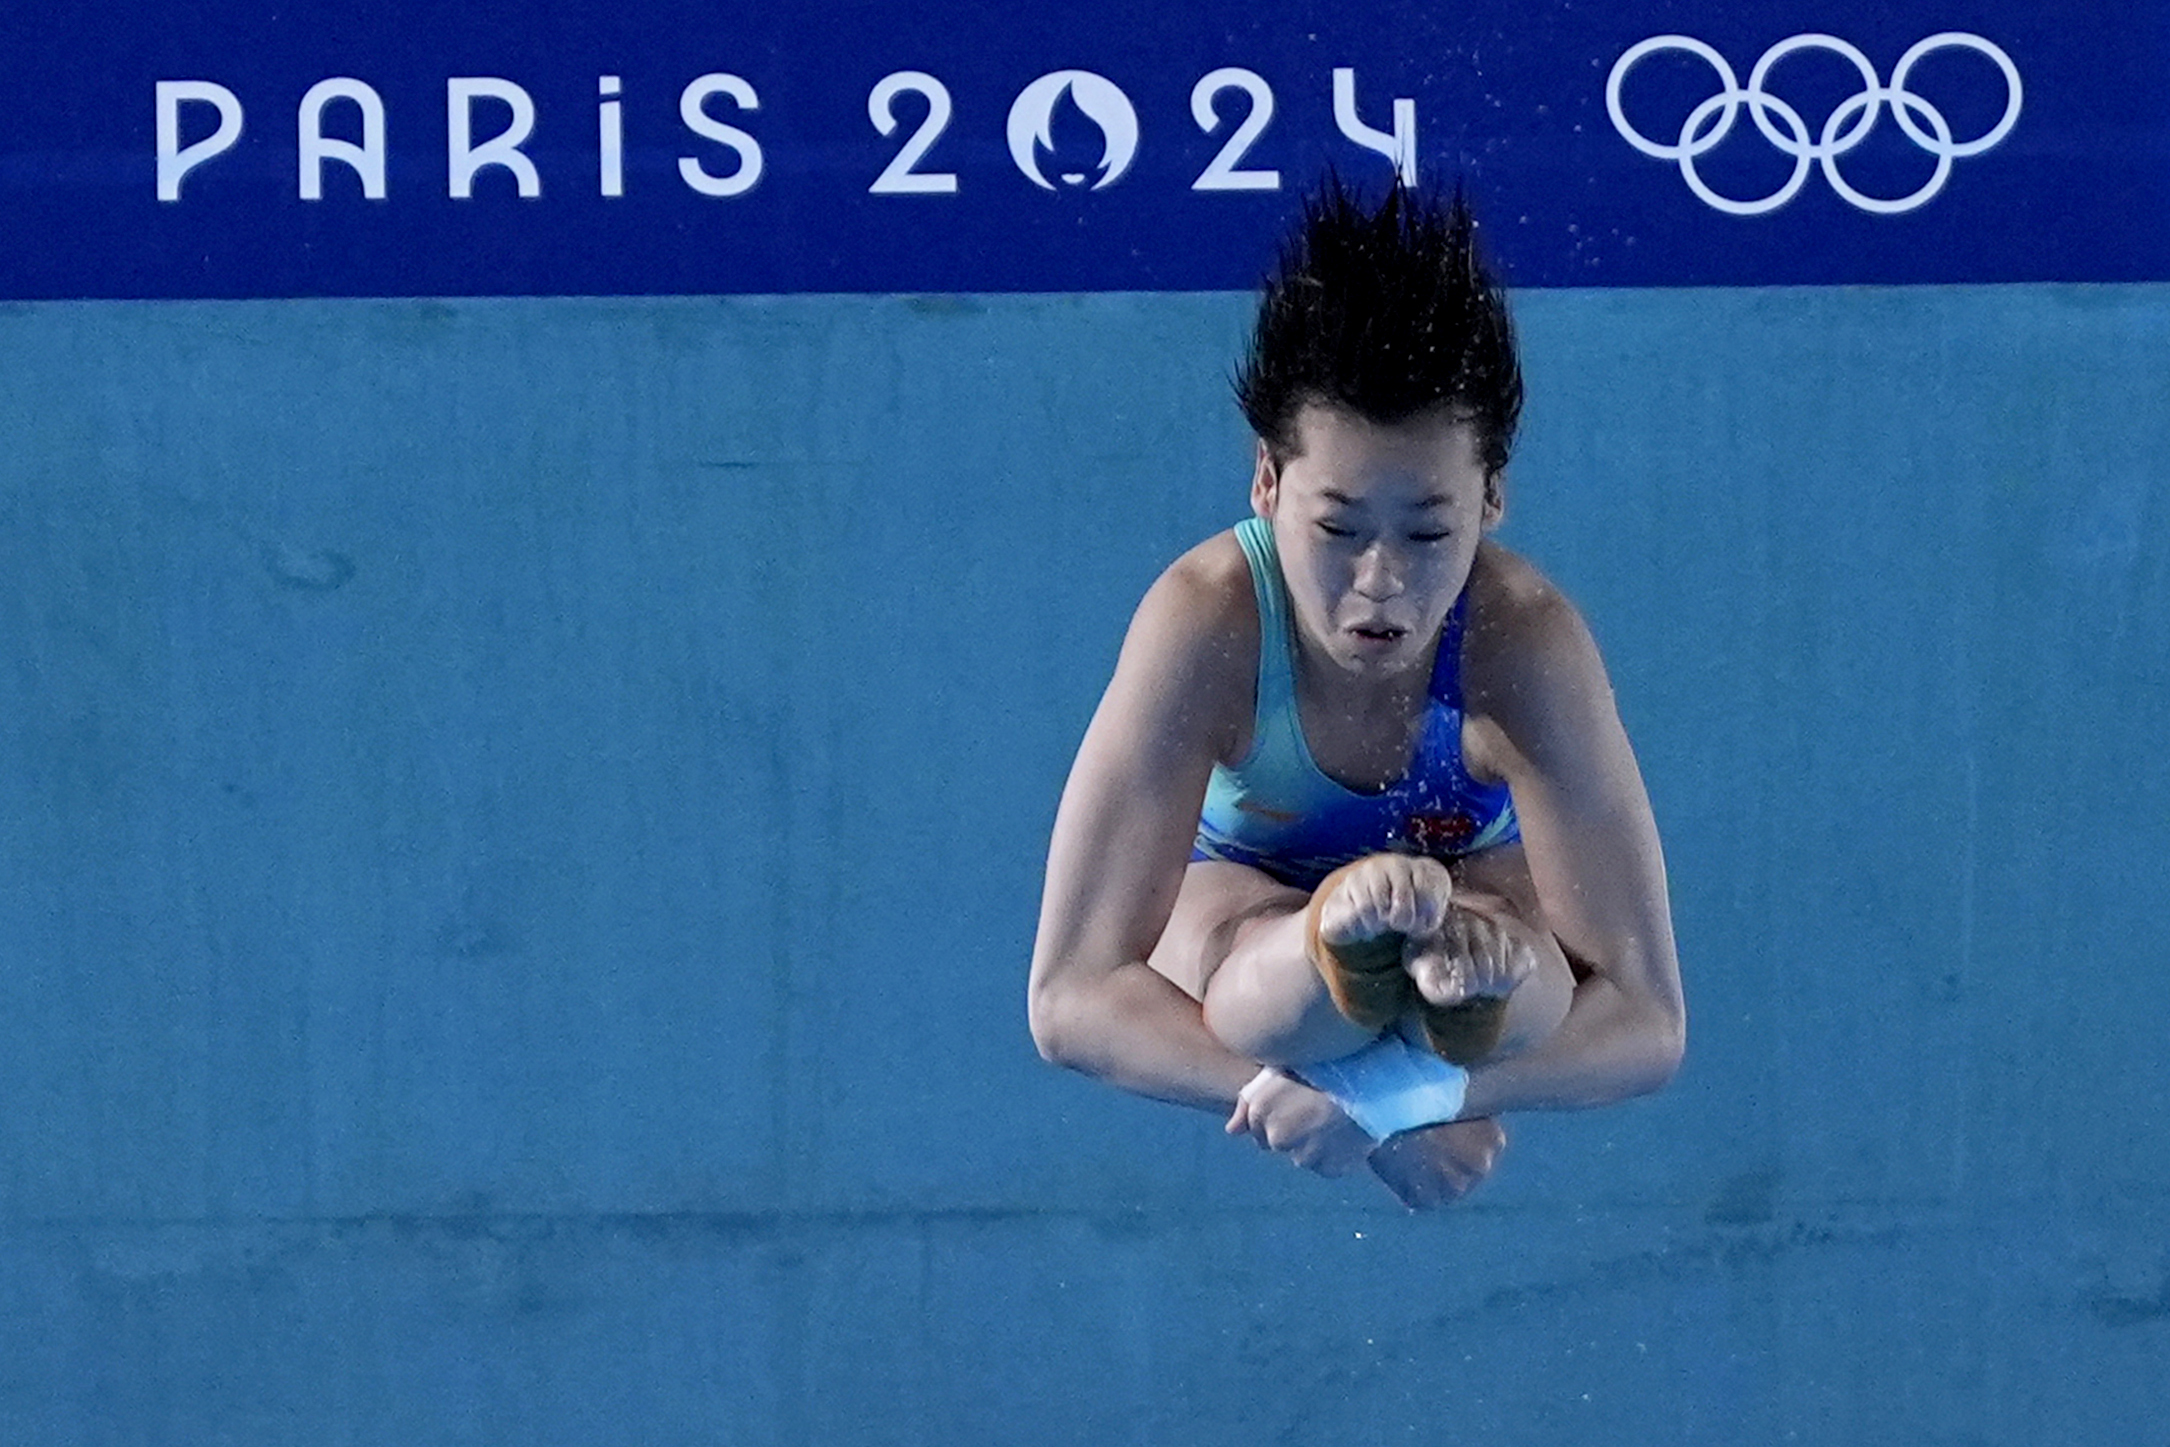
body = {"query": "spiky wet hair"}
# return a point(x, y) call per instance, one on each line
point(1384, 311)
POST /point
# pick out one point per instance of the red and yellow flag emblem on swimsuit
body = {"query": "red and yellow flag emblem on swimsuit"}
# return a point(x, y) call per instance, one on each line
point(1441, 835)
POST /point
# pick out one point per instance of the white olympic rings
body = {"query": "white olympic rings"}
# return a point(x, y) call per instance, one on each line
point(1846, 127)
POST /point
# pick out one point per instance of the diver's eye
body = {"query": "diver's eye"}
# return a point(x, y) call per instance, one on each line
point(1335, 532)
point(1429, 537)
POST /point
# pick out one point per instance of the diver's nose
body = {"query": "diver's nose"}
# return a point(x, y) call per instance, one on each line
point(1378, 572)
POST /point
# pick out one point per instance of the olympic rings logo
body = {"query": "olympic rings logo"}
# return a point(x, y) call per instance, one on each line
point(1846, 127)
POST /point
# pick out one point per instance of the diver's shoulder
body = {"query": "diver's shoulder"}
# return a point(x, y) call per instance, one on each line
point(1203, 607)
point(1506, 587)
point(1517, 615)
point(1217, 563)
point(1209, 588)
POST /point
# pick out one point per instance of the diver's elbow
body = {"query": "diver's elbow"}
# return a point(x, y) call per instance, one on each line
point(1046, 1017)
point(1668, 1048)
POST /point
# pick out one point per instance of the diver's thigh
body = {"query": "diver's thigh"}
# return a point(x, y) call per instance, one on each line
point(1217, 900)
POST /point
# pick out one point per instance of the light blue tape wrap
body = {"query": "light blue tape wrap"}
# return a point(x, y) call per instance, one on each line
point(1391, 1086)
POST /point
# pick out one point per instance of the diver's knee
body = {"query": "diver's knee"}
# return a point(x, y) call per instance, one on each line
point(1240, 1016)
point(1537, 1007)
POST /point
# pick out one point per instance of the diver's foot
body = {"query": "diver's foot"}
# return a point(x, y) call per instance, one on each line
point(1461, 975)
point(1360, 923)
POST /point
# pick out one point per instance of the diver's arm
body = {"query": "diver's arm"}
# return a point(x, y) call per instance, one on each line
point(1594, 864)
point(1122, 840)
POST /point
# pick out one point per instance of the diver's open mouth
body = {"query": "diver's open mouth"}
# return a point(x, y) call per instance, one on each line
point(1380, 636)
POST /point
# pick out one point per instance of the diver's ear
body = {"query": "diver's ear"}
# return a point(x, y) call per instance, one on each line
point(1265, 483)
point(1495, 498)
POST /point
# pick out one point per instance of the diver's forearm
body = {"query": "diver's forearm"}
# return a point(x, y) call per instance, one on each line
point(1133, 1029)
point(1612, 1046)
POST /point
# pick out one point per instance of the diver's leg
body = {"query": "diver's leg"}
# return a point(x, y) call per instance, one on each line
point(1235, 943)
point(1291, 979)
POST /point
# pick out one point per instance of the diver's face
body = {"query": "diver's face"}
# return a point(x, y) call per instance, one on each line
point(1377, 527)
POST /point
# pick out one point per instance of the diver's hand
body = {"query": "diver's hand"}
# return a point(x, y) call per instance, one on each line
point(1437, 1165)
point(1283, 1114)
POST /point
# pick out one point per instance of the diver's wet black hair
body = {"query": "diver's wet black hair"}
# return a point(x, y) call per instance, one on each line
point(1383, 311)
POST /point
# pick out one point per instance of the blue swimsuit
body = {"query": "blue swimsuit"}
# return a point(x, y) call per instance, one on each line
point(1277, 812)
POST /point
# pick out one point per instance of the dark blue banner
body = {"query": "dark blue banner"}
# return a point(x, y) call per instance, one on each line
point(659, 146)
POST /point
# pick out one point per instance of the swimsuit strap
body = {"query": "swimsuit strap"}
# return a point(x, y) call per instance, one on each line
point(1276, 671)
point(1446, 684)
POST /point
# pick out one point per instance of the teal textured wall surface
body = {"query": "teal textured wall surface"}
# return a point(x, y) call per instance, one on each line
point(523, 822)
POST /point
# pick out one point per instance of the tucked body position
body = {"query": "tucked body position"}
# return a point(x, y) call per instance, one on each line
point(1355, 848)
